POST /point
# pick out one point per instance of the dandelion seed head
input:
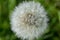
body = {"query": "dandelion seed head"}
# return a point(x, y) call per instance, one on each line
point(29, 20)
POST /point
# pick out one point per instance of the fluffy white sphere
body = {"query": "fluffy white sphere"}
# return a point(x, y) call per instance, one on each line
point(29, 20)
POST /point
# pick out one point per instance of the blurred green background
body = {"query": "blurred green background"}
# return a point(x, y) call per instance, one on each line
point(51, 6)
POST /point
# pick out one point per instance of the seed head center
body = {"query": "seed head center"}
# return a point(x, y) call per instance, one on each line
point(29, 19)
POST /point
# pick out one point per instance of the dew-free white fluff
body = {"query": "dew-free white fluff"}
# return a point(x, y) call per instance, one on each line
point(29, 20)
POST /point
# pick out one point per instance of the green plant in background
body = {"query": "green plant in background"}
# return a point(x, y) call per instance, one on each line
point(51, 6)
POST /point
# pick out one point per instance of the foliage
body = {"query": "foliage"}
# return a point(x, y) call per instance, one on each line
point(52, 7)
